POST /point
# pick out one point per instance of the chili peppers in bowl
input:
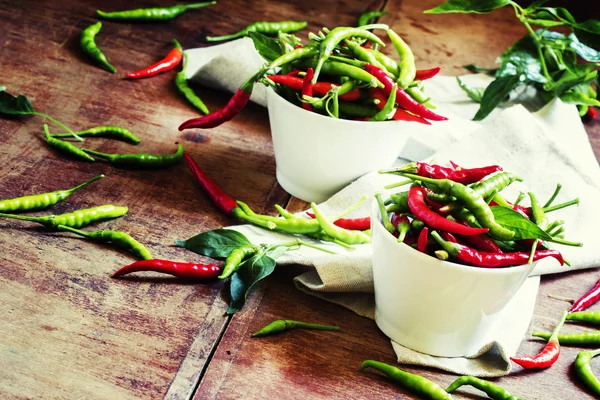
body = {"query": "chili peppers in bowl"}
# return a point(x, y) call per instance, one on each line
point(438, 290)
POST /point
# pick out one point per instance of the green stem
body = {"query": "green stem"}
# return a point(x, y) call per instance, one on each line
point(49, 118)
point(565, 242)
point(351, 208)
point(562, 205)
point(519, 12)
point(199, 5)
point(384, 215)
point(551, 199)
point(99, 154)
point(76, 231)
point(398, 184)
point(533, 247)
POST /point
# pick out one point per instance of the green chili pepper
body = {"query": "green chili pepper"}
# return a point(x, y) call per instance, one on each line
point(473, 202)
point(390, 65)
point(584, 370)
point(343, 235)
point(88, 45)
point(420, 97)
point(112, 132)
point(353, 109)
point(187, 91)
point(341, 69)
point(593, 317)
point(406, 69)
point(235, 259)
point(290, 225)
point(413, 382)
point(335, 36)
point(368, 16)
point(41, 201)
point(264, 27)
point(582, 338)
point(75, 219)
point(119, 239)
point(364, 54)
point(297, 54)
point(495, 392)
point(537, 213)
point(65, 147)
point(347, 60)
point(282, 325)
point(384, 215)
point(141, 160)
point(389, 109)
point(152, 14)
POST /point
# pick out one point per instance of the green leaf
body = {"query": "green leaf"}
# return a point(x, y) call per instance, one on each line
point(496, 93)
point(277, 252)
point(217, 243)
point(521, 58)
point(523, 227)
point(468, 6)
point(585, 52)
point(588, 33)
point(268, 48)
point(243, 280)
point(474, 94)
point(535, 5)
point(11, 105)
point(2, 88)
point(578, 74)
point(477, 69)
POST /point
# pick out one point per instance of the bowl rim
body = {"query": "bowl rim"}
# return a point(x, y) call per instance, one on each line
point(334, 120)
point(483, 270)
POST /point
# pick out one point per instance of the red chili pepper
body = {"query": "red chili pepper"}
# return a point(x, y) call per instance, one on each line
point(319, 88)
point(448, 236)
point(460, 175)
point(483, 243)
point(233, 107)
point(548, 355)
point(307, 88)
point(592, 112)
point(490, 260)
point(588, 299)
point(417, 205)
point(423, 74)
point(403, 99)
point(402, 223)
point(400, 114)
point(182, 270)
point(295, 72)
point(216, 194)
point(172, 59)
point(422, 241)
point(355, 224)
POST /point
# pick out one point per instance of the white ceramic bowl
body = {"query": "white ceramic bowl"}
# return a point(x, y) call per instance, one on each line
point(436, 307)
point(316, 156)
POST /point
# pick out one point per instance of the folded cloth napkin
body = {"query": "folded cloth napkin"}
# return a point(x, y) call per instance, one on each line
point(546, 147)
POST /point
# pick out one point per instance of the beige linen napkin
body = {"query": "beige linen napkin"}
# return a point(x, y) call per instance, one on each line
point(544, 148)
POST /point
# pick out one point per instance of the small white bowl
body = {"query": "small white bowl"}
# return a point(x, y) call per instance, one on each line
point(316, 156)
point(432, 306)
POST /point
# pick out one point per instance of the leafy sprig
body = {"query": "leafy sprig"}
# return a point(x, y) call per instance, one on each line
point(544, 59)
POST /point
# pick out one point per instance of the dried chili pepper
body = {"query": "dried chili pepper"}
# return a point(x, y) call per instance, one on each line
point(494, 391)
point(307, 88)
point(219, 198)
point(88, 45)
point(264, 27)
point(282, 325)
point(141, 160)
point(65, 147)
point(171, 60)
point(183, 270)
point(353, 224)
point(548, 355)
point(233, 107)
point(461, 175)
point(43, 200)
point(319, 88)
point(118, 238)
point(415, 383)
point(423, 74)
point(112, 132)
point(417, 205)
point(75, 219)
point(399, 114)
point(403, 99)
point(422, 241)
point(491, 260)
point(152, 14)
point(588, 299)
point(585, 372)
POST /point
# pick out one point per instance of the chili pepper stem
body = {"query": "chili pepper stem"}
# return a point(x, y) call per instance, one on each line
point(49, 118)
point(565, 242)
point(299, 242)
point(562, 205)
point(397, 184)
point(351, 208)
point(533, 248)
point(551, 199)
point(73, 230)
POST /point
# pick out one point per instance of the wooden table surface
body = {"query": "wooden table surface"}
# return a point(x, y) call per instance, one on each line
point(70, 331)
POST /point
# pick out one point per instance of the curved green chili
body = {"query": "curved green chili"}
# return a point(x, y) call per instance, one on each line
point(389, 64)
point(334, 37)
point(413, 382)
point(341, 69)
point(584, 370)
point(75, 219)
point(343, 235)
point(65, 147)
point(297, 54)
point(88, 45)
point(406, 69)
point(235, 259)
point(495, 392)
point(264, 27)
point(287, 225)
point(111, 132)
point(43, 200)
point(368, 16)
point(363, 54)
point(141, 160)
point(282, 325)
point(118, 238)
point(151, 14)
point(188, 92)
